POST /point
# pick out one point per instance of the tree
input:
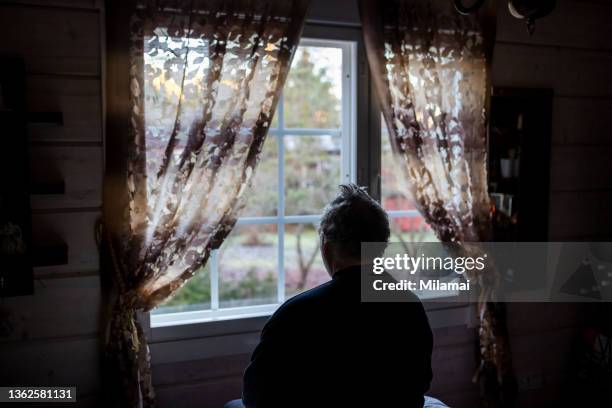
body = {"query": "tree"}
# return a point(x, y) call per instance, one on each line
point(312, 163)
point(309, 101)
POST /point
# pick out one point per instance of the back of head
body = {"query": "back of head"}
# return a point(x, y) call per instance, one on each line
point(351, 218)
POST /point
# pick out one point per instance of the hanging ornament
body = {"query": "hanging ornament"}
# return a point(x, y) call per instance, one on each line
point(530, 10)
point(467, 9)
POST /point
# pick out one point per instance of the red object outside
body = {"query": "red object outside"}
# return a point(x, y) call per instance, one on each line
point(405, 224)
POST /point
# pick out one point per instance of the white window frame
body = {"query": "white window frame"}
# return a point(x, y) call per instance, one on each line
point(346, 132)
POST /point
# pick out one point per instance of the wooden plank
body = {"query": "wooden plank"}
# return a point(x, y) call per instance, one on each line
point(454, 335)
point(91, 400)
point(200, 370)
point(203, 348)
point(454, 315)
point(542, 352)
point(463, 399)
point(76, 229)
point(521, 319)
point(56, 41)
point(344, 12)
point(59, 308)
point(550, 395)
point(453, 367)
point(571, 24)
point(468, 398)
point(568, 72)
point(581, 168)
point(52, 363)
point(582, 121)
point(580, 216)
point(213, 393)
point(80, 168)
point(50, 254)
point(78, 4)
point(78, 99)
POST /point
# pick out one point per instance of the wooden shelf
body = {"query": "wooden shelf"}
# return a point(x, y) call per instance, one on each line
point(50, 255)
point(520, 130)
point(48, 188)
point(55, 118)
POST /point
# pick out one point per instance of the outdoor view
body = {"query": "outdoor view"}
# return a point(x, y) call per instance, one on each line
point(275, 246)
point(407, 226)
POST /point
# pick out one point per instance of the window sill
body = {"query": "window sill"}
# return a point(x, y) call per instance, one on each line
point(208, 316)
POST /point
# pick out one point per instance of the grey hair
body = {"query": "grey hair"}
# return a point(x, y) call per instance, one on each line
point(351, 218)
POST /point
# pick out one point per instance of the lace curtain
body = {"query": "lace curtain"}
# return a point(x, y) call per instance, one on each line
point(429, 65)
point(204, 80)
point(430, 68)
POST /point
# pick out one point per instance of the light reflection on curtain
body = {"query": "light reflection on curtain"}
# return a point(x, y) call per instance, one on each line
point(205, 77)
point(429, 65)
point(433, 78)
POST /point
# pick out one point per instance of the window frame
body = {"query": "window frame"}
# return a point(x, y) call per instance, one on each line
point(240, 333)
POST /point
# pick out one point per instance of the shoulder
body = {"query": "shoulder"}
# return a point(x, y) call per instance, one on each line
point(302, 305)
point(305, 300)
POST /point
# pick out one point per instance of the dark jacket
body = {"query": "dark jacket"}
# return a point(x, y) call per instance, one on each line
point(325, 347)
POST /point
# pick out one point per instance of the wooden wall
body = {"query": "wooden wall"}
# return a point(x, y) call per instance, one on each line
point(569, 52)
point(54, 334)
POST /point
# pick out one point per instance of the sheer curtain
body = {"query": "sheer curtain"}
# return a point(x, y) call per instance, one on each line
point(204, 79)
point(430, 68)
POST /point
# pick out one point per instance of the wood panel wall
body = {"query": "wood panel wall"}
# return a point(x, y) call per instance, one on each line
point(569, 52)
point(54, 334)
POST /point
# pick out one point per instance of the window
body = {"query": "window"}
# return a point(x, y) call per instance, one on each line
point(273, 252)
point(325, 131)
point(407, 225)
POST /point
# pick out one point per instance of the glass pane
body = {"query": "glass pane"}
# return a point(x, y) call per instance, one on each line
point(391, 188)
point(304, 267)
point(274, 124)
point(248, 265)
point(313, 91)
point(312, 173)
point(262, 196)
point(410, 230)
point(194, 295)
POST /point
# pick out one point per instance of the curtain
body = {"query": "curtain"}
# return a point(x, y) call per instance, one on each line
point(204, 79)
point(430, 68)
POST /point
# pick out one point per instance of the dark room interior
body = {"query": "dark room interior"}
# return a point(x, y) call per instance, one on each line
point(170, 176)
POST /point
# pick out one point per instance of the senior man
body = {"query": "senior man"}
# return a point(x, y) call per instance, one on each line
point(325, 347)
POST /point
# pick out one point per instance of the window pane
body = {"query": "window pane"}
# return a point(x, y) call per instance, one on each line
point(248, 265)
point(410, 230)
point(312, 173)
point(274, 124)
point(391, 185)
point(313, 90)
point(194, 295)
point(304, 267)
point(262, 196)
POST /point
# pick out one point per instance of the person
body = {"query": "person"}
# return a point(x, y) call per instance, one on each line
point(325, 347)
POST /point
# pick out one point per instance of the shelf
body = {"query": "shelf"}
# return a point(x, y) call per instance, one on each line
point(50, 255)
point(55, 118)
point(49, 188)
